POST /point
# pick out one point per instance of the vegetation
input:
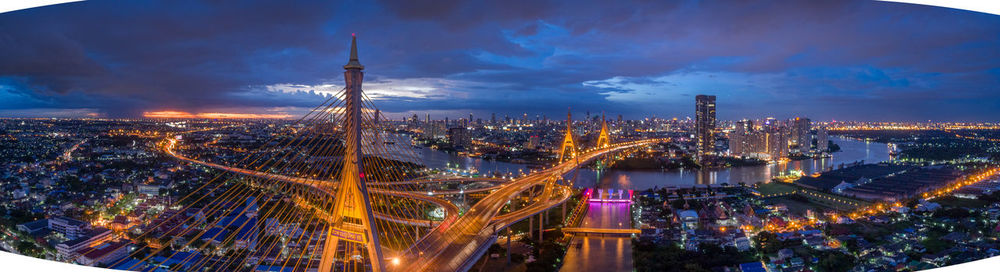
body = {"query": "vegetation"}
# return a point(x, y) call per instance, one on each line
point(775, 188)
point(650, 256)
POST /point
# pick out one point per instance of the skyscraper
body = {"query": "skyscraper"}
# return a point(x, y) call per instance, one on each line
point(740, 140)
point(704, 124)
point(777, 142)
point(459, 137)
point(822, 140)
point(800, 134)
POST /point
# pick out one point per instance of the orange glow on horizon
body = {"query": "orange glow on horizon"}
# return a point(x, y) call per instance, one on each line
point(212, 115)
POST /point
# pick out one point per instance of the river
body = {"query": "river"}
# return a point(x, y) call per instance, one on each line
point(850, 151)
point(614, 253)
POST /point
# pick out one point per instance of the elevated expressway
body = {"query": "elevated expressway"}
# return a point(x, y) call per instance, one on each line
point(601, 231)
point(456, 242)
point(327, 187)
point(455, 247)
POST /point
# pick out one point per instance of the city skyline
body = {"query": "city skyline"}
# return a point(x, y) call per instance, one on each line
point(875, 61)
point(343, 188)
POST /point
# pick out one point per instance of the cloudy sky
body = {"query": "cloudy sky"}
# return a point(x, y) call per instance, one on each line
point(843, 60)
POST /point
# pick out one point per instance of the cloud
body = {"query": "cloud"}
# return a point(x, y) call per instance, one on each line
point(827, 59)
point(385, 89)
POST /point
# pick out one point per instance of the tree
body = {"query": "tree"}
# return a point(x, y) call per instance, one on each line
point(27, 248)
point(768, 242)
point(852, 245)
point(835, 261)
point(693, 267)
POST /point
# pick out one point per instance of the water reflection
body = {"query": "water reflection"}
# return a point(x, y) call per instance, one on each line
point(434, 158)
point(851, 151)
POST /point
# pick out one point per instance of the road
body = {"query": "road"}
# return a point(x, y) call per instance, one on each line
point(449, 247)
point(455, 240)
point(68, 154)
point(326, 186)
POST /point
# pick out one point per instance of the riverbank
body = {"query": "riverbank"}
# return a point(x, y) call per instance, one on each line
point(851, 151)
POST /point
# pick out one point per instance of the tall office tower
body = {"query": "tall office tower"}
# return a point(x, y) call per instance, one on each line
point(493, 119)
point(822, 140)
point(428, 118)
point(704, 124)
point(800, 134)
point(619, 118)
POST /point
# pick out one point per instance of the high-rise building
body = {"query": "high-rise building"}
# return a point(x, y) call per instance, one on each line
point(822, 140)
point(800, 134)
point(704, 124)
point(459, 137)
point(740, 139)
point(777, 142)
point(764, 143)
point(493, 119)
point(736, 144)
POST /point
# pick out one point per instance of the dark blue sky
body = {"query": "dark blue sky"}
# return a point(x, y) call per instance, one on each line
point(843, 60)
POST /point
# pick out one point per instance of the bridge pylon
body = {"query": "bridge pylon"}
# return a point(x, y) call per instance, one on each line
point(604, 138)
point(352, 220)
point(567, 152)
point(568, 142)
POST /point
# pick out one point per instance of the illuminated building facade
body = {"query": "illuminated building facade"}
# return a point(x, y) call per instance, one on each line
point(704, 124)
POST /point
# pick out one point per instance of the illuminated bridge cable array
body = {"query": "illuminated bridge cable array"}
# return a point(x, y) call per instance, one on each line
point(288, 187)
point(208, 198)
point(333, 192)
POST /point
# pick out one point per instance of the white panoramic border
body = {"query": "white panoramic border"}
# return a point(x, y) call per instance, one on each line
point(12, 5)
point(15, 262)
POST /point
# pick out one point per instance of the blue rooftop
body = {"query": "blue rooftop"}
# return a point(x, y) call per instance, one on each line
point(752, 267)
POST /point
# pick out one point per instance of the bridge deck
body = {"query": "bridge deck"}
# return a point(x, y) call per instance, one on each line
point(600, 230)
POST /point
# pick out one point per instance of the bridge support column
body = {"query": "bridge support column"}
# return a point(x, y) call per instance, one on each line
point(531, 227)
point(509, 233)
point(544, 217)
point(541, 228)
point(564, 211)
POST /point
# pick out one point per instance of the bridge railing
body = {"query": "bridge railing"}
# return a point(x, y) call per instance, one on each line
point(578, 211)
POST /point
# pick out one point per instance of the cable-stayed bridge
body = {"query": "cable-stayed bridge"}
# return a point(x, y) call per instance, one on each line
point(332, 193)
